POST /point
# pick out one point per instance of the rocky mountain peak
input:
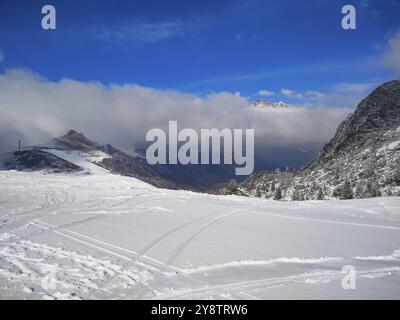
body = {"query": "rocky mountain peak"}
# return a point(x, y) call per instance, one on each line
point(71, 132)
point(261, 103)
point(380, 110)
point(377, 113)
point(75, 140)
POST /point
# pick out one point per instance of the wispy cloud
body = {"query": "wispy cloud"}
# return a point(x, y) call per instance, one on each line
point(1, 55)
point(352, 86)
point(139, 31)
point(391, 57)
point(265, 93)
point(339, 95)
point(376, 9)
point(291, 93)
point(324, 68)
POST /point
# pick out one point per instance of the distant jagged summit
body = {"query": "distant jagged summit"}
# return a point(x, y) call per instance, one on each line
point(75, 140)
point(71, 132)
point(264, 103)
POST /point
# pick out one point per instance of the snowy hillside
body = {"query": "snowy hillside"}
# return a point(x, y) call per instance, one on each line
point(91, 236)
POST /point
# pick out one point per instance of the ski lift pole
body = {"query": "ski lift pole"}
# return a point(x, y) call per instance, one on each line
point(19, 155)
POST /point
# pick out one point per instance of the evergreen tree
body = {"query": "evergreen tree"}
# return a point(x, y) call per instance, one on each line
point(375, 192)
point(336, 176)
point(320, 195)
point(296, 195)
point(278, 194)
point(359, 193)
point(347, 192)
point(397, 175)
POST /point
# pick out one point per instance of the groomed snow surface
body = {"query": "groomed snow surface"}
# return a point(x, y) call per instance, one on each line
point(103, 236)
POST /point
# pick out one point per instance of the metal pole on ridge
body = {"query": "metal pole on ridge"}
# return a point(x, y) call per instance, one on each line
point(19, 155)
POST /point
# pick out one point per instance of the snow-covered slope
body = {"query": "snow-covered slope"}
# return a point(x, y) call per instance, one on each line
point(106, 236)
point(88, 161)
point(34, 159)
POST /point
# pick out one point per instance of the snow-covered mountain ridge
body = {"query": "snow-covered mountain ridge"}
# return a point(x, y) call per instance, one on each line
point(56, 156)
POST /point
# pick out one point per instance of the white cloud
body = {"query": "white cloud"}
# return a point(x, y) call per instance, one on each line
point(346, 95)
point(346, 87)
point(36, 109)
point(314, 94)
point(291, 93)
point(266, 93)
point(391, 58)
point(138, 31)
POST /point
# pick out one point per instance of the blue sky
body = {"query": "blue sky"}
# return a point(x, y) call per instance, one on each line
point(205, 46)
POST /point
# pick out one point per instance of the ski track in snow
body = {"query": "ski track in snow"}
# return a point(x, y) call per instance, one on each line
point(186, 243)
point(105, 236)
